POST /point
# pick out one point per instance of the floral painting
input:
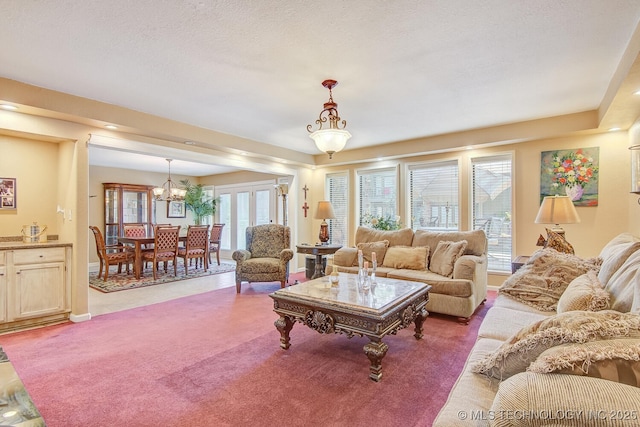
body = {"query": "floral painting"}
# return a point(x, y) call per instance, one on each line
point(573, 173)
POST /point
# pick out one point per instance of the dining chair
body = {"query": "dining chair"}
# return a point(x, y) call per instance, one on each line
point(196, 246)
point(110, 254)
point(165, 249)
point(137, 230)
point(214, 241)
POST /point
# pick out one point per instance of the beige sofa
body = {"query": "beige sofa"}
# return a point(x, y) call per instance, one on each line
point(529, 365)
point(457, 271)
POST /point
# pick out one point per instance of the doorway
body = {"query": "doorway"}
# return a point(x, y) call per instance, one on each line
point(242, 206)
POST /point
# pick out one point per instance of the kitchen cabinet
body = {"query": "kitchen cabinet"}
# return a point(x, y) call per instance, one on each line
point(35, 285)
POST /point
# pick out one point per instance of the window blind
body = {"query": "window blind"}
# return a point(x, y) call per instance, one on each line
point(433, 195)
point(337, 188)
point(377, 193)
point(492, 206)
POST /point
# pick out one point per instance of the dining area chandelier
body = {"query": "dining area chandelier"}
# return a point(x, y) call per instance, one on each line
point(334, 138)
point(169, 191)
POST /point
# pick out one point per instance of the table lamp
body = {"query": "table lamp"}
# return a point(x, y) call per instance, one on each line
point(557, 210)
point(324, 212)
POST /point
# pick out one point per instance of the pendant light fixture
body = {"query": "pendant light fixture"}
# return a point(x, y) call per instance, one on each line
point(169, 191)
point(334, 138)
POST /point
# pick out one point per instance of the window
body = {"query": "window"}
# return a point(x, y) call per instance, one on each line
point(337, 188)
point(433, 196)
point(492, 207)
point(378, 190)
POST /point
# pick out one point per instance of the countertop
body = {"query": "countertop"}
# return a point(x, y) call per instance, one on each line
point(21, 245)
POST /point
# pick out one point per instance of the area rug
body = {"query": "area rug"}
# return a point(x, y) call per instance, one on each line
point(123, 281)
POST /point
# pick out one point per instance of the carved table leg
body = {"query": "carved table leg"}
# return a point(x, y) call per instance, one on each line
point(284, 325)
point(420, 318)
point(375, 351)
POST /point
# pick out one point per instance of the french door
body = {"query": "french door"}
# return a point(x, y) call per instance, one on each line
point(242, 206)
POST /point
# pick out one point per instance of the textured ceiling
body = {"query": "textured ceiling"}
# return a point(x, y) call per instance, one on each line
point(406, 69)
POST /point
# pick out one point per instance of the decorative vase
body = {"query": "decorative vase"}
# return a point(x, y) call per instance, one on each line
point(574, 192)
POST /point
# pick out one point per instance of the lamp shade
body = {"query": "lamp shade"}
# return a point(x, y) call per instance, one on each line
point(557, 210)
point(324, 210)
point(330, 140)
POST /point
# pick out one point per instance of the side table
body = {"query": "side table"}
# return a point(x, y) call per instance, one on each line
point(518, 262)
point(319, 251)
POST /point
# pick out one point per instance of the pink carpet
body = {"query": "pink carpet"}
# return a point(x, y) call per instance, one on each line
point(215, 359)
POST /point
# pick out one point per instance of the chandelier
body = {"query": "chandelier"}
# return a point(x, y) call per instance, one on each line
point(331, 139)
point(169, 191)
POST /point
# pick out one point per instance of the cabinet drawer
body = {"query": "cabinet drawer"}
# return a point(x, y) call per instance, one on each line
point(34, 256)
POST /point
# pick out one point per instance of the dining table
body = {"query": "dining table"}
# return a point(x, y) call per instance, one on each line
point(138, 243)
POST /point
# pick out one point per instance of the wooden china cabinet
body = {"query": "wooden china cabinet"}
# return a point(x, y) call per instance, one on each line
point(127, 204)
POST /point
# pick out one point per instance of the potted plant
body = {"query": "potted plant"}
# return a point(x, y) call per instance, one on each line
point(197, 201)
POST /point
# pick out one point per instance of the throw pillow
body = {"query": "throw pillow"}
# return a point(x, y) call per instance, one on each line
point(445, 256)
point(518, 352)
point(584, 293)
point(530, 399)
point(541, 281)
point(614, 360)
point(380, 248)
point(615, 253)
point(345, 256)
point(411, 257)
point(557, 241)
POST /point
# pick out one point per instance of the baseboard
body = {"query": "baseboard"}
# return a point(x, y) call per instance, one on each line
point(78, 318)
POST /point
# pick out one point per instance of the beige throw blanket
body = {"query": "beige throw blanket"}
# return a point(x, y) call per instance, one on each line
point(542, 280)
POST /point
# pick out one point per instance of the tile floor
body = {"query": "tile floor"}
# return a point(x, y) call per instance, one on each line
point(102, 303)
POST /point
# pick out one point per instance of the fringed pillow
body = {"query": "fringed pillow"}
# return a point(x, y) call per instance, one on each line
point(584, 293)
point(614, 360)
point(516, 354)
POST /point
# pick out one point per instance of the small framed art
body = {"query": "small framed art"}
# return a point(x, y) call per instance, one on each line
point(176, 209)
point(8, 198)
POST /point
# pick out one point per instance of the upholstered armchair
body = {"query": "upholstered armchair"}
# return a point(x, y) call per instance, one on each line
point(267, 256)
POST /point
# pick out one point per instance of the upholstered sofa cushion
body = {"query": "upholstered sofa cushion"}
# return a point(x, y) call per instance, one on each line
point(445, 256)
point(476, 240)
point(411, 257)
point(439, 285)
point(529, 394)
point(585, 292)
point(402, 237)
point(380, 249)
point(615, 253)
point(542, 280)
point(614, 360)
point(516, 354)
point(624, 285)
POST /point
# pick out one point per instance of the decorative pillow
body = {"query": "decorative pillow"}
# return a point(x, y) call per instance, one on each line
point(345, 257)
point(411, 257)
point(445, 255)
point(557, 241)
point(380, 248)
point(615, 253)
point(584, 293)
point(614, 360)
point(517, 353)
point(541, 281)
point(530, 399)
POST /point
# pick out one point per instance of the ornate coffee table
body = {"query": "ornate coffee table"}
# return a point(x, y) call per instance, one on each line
point(387, 307)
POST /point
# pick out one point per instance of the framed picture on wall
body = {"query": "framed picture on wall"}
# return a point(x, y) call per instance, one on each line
point(8, 198)
point(176, 209)
point(574, 173)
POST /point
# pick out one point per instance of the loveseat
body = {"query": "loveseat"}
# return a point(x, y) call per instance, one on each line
point(453, 263)
point(567, 356)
